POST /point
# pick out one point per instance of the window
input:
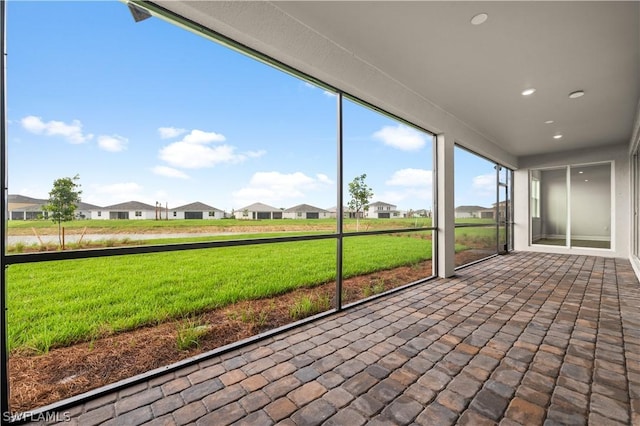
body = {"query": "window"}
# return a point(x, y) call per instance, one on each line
point(283, 156)
point(99, 214)
point(535, 197)
point(572, 206)
point(482, 207)
point(396, 162)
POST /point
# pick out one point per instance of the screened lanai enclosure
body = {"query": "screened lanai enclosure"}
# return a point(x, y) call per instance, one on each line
point(357, 162)
point(289, 154)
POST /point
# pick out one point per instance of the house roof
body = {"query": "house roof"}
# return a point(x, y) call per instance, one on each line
point(382, 203)
point(87, 206)
point(259, 207)
point(334, 209)
point(304, 208)
point(196, 207)
point(35, 204)
point(130, 205)
point(16, 198)
point(469, 209)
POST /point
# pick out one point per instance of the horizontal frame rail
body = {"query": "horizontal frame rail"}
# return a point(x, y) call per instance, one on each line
point(15, 259)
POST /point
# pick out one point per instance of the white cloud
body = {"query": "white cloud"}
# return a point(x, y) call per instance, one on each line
point(324, 92)
point(271, 187)
point(170, 132)
point(406, 198)
point(112, 143)
point(411, 178)
point(71, 132)
point(324, 179)
point(401, 137)
point(255, 154)
point(169, 172)
point(203, 138)
point(484, 184)
point(196, 156)
point(410, 188)
point(195, 151)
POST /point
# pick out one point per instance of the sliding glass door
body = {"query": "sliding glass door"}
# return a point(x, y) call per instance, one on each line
point(571, 206)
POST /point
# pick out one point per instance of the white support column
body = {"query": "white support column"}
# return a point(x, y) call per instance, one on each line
point(446, 206)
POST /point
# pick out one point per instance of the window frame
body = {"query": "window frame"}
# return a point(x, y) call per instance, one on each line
point(338, 235)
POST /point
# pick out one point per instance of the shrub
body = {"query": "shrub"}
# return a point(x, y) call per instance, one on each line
point(309, 305)
point(189, 334)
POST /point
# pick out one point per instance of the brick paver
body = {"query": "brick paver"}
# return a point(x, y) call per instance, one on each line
point(526, 338)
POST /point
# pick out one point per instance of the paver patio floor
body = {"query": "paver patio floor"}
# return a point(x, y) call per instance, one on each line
point(526, 338)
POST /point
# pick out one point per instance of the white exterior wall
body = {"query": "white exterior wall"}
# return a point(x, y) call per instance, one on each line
point(205, 214)
point(86, 213)
point(104, 214)
point(303, 215)
point(634, 193)
point(146, 214)
point(463, 215)
point(620, 198)
point(240, 215)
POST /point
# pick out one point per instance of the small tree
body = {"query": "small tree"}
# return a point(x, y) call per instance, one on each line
point(63, 202)
point(360, 195)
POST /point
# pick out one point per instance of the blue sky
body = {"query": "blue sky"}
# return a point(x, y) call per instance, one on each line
point(151, 112)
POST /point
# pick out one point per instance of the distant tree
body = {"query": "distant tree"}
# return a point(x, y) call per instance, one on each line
point(360, 196)
point(63, 201)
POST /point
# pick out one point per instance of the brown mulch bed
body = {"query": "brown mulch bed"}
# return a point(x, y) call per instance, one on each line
point(38, 380)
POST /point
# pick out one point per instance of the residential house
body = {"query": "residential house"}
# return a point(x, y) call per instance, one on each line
point(346, 213)
point(305, 211)
point(196, 210)
point(381, 210)
point(466, 212)
point(490, 213)
point(128, 210)
point(418, 213)
point(27, 208)
point(257, 211)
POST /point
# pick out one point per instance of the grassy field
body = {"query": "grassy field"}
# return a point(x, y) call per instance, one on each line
point(477, 237)
point(57, 303)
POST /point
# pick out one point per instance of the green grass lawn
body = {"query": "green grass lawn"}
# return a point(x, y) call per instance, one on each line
point(57, 303)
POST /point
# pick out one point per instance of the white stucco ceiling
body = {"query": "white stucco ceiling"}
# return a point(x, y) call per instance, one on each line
point(477, 73)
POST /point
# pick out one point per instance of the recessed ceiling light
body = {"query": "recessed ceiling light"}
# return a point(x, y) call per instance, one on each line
point(580, 172)
point(586, 180)
point(576, 94)
point(557, 136)
point(528, 92)
point(480, 18)
point(548, 122)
